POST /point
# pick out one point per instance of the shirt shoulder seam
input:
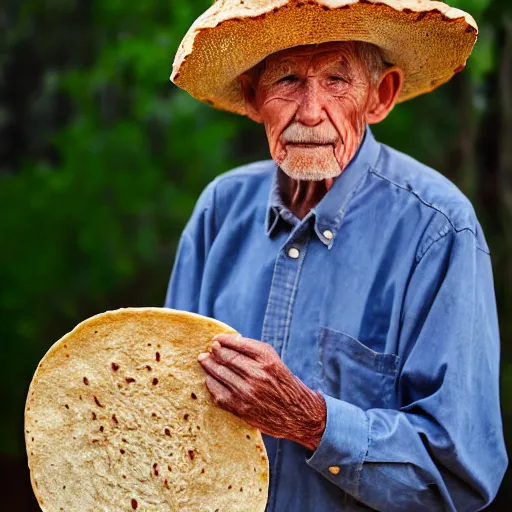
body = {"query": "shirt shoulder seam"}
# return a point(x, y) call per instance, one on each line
point(252, 169)
point(379, 175)
point(255, 168)
point(442, 234)
point(209, 190)
point(457, 230)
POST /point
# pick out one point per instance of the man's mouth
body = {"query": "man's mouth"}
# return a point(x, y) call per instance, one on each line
point(309, 144)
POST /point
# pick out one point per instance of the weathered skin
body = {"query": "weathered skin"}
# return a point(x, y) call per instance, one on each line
point(314, 102)
point(320, 93)
point(247, 378)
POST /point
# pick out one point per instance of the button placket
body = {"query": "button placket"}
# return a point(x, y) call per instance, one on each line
point(278, 315)
point(282, 292)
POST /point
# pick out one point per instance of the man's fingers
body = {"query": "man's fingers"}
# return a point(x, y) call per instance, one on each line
point(240, 363)
point(220, 393)
point(251, 348)
point(222, 373)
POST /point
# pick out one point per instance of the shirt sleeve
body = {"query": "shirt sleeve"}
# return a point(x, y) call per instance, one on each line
point(184, 289)
point(441, 447)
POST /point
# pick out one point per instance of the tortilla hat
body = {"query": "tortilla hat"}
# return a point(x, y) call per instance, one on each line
point(429, 40)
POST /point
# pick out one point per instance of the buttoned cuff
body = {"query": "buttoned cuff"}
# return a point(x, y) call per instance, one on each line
point(341, 452)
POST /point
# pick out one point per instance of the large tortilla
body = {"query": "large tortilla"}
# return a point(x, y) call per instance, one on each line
point(118, 418)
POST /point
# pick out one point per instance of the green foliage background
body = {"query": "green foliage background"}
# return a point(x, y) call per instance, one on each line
point(102, 160)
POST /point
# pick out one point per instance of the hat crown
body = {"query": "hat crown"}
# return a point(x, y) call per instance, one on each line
point(429, 40)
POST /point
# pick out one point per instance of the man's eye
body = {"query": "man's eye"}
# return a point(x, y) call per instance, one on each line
point(288, 79)
point(335, 78)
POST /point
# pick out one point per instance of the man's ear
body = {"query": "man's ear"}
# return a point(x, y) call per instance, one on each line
point(249, 93)
point(384, 96)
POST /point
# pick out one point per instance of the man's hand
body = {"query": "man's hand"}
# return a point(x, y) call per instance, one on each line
point(247, 378)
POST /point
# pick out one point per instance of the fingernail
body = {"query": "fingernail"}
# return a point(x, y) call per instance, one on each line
point(202, 356)
point(216, 344)
point(216, 337)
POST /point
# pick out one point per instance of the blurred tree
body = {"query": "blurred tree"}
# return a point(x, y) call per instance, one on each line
point(102, 159)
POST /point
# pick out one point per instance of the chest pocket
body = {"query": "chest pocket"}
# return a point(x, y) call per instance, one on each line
point(355, 373)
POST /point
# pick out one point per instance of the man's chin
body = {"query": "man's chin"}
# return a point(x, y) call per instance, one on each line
point(310, 164)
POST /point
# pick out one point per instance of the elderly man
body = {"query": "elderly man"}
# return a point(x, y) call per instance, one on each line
point(360, 279)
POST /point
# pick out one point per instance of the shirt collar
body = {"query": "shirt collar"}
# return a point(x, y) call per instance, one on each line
point(329, 211)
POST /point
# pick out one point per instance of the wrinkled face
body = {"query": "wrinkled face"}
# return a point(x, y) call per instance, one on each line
point(313, 102)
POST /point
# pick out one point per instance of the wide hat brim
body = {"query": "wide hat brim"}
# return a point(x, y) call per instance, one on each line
point(430, 41)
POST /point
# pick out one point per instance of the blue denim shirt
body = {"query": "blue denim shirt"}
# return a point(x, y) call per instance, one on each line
point(386, 306)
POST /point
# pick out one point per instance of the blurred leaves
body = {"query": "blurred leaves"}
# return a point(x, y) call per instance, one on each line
point(102, 160)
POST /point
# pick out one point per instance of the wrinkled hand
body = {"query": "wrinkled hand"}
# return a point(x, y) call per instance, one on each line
point(247, 378)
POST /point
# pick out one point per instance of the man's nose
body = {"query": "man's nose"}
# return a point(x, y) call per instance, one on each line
point(310, 111)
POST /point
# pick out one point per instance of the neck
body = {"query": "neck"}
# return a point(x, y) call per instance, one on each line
point(300, 196)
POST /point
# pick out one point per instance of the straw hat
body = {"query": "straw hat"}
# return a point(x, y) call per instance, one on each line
point(430, 41)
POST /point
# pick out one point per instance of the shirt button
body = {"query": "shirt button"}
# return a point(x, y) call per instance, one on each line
point(334, 470)
point(328, 234)
point(293, 252)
